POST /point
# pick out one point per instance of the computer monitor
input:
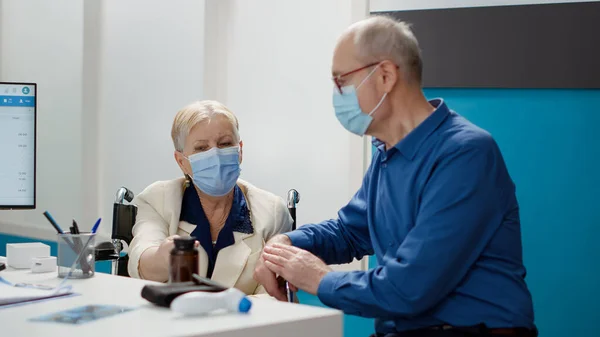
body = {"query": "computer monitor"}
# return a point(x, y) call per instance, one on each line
point(17, 145)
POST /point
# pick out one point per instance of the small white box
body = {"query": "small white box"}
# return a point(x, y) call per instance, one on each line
point(43, 264)
point(20, 255)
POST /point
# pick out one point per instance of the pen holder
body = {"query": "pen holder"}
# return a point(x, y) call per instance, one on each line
point(70, 247)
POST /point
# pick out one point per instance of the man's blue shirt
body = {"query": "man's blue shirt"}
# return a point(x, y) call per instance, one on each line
point(440, 213)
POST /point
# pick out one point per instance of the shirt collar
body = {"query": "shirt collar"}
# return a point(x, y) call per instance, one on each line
point(409, 146)
point(238, 220)
point(239, 217)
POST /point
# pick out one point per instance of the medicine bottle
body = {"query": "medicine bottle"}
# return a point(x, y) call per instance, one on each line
point(183, 260)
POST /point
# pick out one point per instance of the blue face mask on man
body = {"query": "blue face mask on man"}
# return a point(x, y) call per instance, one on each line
point(348, 111)
point(216, 171)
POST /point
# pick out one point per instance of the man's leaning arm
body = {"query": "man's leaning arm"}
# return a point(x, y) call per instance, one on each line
point(339, 240)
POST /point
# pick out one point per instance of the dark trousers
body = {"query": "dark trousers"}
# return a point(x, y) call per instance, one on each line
point(461, 332)
point(426, 333)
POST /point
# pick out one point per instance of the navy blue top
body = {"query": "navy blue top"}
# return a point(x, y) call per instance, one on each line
point(439, 211)
point(238, 220)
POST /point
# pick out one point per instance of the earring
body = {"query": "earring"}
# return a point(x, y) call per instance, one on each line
point(188, 181)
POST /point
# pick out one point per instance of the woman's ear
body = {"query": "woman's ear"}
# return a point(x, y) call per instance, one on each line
point(182, 161)
point(241, 151)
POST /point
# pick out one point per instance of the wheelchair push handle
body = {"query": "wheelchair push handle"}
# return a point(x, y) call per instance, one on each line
point(293, 198)
point(123, 194)
point(123, 215)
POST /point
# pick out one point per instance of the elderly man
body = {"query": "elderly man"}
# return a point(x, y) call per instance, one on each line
point(437, 207)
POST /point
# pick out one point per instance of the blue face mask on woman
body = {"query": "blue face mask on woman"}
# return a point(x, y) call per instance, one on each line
point(216, 171)
point(348, 111)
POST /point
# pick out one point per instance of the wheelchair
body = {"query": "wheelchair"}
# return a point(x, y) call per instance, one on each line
point(124, 214)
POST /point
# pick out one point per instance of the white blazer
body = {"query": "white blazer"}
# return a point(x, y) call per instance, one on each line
point(159, 208)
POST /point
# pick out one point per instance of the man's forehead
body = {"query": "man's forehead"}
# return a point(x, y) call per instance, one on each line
point(344, 56)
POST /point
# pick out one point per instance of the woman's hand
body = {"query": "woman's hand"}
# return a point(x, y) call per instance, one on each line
point(268, 279)
point(154, 262)
point(163, 252)
point(165, 248)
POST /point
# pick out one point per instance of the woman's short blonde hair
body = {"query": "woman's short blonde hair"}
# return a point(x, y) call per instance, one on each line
point(199, 112)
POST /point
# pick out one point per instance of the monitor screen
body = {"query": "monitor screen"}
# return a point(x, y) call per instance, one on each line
point(17, 145)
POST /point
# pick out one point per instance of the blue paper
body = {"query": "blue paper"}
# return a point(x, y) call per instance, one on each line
point(84, 314)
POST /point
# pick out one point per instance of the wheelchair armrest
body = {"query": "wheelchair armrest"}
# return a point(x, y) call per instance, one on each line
point(106, 251)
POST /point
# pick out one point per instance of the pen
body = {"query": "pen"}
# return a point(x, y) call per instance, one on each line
point(290, 293)
point(52, 222)
point(79, 245)
point(96, 225)
point(75, 227)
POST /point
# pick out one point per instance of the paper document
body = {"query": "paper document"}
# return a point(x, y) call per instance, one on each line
point(11, 293)
point(83, 314)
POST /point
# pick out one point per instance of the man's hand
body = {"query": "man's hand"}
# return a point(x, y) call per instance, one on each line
point(266, 277)
point(299, 267)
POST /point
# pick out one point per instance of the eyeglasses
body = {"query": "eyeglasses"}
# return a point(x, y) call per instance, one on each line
point(337, 79)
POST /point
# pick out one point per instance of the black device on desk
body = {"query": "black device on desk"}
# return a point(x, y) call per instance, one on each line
point(163, 295)
point(2, 266)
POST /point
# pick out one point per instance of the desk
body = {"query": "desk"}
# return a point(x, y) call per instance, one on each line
point(267, 317)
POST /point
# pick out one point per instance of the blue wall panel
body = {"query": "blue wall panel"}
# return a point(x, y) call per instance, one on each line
point(354, 326)
point(551, 144)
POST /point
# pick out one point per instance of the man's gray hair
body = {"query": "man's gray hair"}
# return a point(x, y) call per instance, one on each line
point(380, 38)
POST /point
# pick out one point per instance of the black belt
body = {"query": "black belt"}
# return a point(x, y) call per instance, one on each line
point(480, 330)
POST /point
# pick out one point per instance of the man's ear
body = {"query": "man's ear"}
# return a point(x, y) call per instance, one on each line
point(241, 151)
point(390, 75)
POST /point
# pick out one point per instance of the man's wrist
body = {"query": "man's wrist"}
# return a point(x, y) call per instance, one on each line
point(326, 291)
point(321, 275)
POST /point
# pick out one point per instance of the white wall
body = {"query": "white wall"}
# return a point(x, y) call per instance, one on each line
point(113, 74)
point(398, 5)
point(270, 62)
point(150, 65)
point(42, 42)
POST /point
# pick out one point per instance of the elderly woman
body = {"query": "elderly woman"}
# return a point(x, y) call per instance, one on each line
point(229, 217)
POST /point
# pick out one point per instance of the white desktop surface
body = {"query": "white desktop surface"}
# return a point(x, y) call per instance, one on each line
point(266, 318)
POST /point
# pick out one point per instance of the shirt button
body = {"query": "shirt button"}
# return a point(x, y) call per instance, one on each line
point(384, 165)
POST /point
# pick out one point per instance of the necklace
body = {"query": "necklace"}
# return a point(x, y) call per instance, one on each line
point(216, 226)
